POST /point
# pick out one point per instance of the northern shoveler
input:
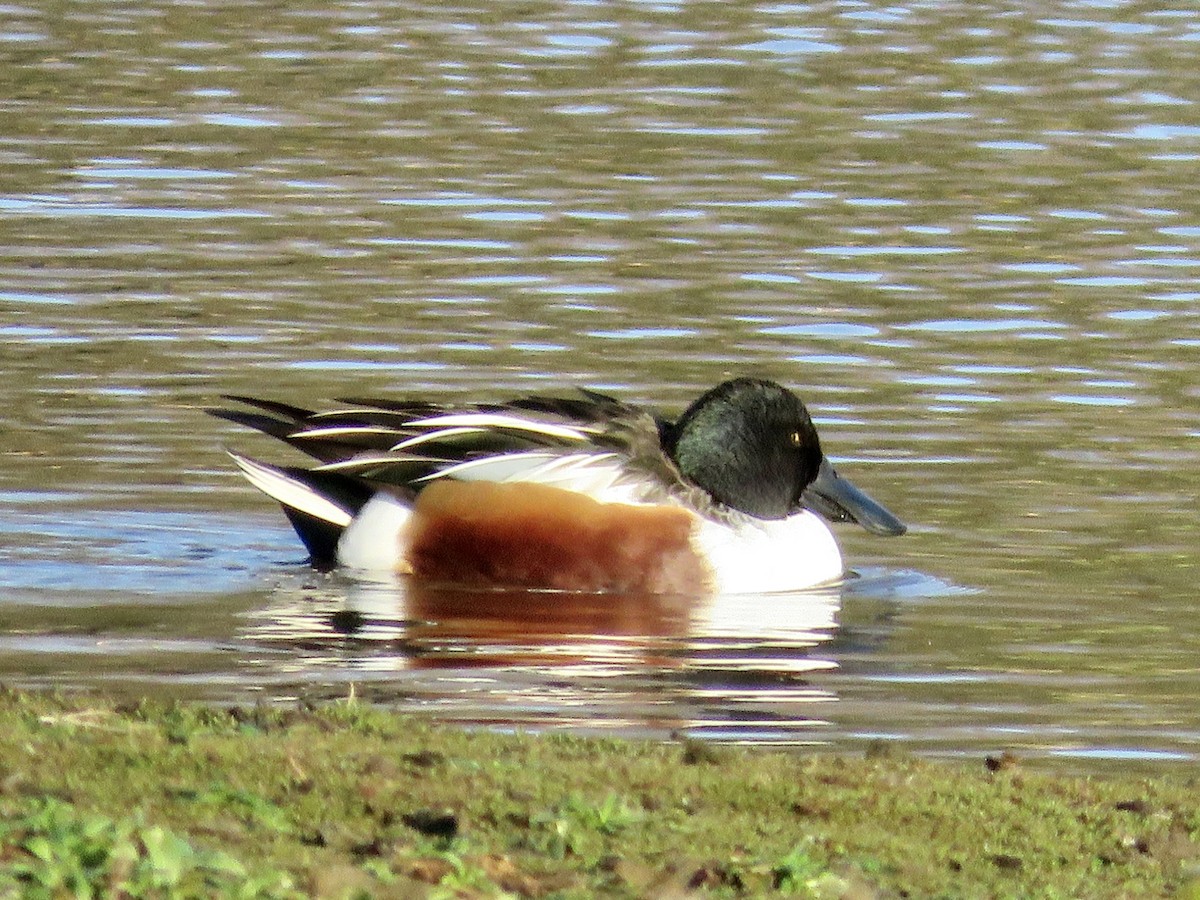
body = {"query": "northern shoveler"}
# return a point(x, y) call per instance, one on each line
point(579, 493)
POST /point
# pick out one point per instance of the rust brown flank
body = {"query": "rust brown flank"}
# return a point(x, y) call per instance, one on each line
point(531, 535)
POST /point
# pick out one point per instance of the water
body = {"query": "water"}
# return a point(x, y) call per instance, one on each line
point(970, 239)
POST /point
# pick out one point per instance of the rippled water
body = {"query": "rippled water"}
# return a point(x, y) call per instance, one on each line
point(968, 236)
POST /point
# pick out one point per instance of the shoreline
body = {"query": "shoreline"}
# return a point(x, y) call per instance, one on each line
point(345, 799)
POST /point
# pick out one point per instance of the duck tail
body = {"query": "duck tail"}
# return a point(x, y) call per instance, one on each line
point(318, 504)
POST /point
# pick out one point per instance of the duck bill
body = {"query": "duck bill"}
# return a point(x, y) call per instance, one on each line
point(838, 500)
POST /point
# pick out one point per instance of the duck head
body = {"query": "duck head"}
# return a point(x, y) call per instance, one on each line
point(752, 446)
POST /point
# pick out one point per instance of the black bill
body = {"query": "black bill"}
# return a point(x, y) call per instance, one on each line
point(837, 500)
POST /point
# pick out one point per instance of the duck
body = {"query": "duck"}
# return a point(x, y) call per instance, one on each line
point(582, 493)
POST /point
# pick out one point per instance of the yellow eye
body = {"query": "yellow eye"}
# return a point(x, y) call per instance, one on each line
point(795, 439)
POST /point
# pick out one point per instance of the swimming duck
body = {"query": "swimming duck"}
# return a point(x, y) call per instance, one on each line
point(582, 493)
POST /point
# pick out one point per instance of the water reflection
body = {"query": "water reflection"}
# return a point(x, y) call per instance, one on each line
point(734, 665)
point(411, 609)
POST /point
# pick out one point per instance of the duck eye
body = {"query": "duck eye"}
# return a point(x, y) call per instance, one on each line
point(794, 439)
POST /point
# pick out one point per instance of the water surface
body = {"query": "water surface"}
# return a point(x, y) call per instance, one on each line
point(969, 238)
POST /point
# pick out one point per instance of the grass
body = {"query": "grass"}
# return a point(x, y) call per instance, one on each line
point(345, 800)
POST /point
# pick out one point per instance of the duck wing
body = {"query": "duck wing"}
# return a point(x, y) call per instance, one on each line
point(592, 442)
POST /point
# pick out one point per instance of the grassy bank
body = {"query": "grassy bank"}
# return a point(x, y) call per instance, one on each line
point(347, 800)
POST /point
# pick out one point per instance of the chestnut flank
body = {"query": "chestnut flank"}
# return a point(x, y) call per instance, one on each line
point(534, 536)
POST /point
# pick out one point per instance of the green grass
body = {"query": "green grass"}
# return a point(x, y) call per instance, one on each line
point(345, 800)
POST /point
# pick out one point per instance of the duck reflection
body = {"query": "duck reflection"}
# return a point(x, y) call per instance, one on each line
point(730, 665)
point(420, 616)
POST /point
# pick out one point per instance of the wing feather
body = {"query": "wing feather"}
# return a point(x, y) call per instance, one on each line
point(591, 443)
point(488, 420)
point(293, 492)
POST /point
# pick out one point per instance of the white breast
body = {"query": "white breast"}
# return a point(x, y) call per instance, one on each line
point(756, 556)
